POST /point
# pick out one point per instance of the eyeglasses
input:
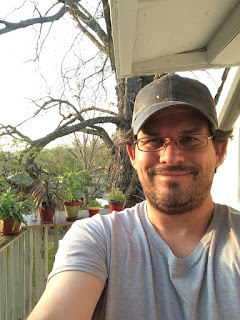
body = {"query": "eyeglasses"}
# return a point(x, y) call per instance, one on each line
point(186, 142)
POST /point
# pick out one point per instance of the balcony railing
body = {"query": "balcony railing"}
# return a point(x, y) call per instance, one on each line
point(24, 264)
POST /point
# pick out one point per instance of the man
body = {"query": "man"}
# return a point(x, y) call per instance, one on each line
point(173, 256)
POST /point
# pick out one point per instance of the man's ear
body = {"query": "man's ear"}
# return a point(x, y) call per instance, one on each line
point(221, 149)
point(131, 153)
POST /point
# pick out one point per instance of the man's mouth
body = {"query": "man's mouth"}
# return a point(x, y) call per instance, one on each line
point(174, 174)
point(174, 171)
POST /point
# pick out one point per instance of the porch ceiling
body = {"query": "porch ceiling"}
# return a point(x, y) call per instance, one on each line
point(155, 36)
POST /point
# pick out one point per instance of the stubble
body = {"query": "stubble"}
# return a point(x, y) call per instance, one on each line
point(172, 198)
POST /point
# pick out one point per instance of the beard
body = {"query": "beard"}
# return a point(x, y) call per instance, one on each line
point(173, 198)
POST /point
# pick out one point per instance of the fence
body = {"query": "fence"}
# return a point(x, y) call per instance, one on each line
point(24, 263)
point(24, 267)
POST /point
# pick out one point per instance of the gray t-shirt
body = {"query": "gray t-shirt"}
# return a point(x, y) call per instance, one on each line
point(143, 278)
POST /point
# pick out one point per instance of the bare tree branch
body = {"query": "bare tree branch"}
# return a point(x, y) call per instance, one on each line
point(66, 102)
point(39, 47)
point(75, 10)
point(105, 137)
point(98, 109)
point(219, 91)
point(84, 126)
point(100, 132)
point(10, 26)
point(109, 48)
point(90, 36)
point(12, 132)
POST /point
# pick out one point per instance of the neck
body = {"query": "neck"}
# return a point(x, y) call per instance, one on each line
point(182, 232)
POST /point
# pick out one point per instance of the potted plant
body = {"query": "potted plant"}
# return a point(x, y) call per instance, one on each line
point(12, 211)
point(73, 182)
point(117, 200)
point(93, 207)
point(46, 196)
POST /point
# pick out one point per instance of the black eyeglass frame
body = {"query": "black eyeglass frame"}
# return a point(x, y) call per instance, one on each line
point(175, 141)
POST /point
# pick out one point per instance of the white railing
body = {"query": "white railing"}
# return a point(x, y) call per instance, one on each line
point(24, 262)
point(24, 270)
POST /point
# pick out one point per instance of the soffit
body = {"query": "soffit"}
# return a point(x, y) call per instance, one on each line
point(156, 36)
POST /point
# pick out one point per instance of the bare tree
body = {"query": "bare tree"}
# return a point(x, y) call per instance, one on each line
point(92, 18)
point(93, 21)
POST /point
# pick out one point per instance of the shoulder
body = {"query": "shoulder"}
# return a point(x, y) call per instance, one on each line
point(227, 239)
point(115, 221)
point(91, 243)
point(100, 228)
point(228, 220)
point(227, 213)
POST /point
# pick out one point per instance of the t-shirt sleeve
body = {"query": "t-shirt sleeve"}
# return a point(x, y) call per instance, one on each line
point(83, 248)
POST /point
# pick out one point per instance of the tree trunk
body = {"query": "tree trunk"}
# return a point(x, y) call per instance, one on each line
point(121, 173)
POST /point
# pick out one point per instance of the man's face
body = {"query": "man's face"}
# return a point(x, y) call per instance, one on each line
point(174, 180)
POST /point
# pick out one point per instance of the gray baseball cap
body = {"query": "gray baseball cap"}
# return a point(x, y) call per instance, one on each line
point(169, 91)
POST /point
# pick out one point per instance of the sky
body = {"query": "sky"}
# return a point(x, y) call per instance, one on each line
point(23, 79)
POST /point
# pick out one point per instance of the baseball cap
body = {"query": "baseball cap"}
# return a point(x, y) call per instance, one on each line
point(169, 91)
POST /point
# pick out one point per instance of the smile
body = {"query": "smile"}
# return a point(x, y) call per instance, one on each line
point(173, 176)
point(174, 173)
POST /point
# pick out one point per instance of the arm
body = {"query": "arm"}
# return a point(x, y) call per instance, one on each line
point(69, 295)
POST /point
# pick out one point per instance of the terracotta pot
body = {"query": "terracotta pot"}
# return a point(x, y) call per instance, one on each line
point(8, 227)
point(46, 214)
point(116, 205)
point(72, 209)
point(93, 210)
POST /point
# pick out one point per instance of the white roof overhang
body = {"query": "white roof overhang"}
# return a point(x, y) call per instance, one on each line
point(156, 36)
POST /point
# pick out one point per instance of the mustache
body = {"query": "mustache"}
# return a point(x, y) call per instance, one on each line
point(178, 168)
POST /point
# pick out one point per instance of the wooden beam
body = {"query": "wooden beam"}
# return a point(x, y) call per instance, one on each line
point(174, 63)
point(225, 35)
point(230, 103)
point(123, 17)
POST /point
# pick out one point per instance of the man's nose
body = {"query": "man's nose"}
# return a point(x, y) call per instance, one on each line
point(171, 154)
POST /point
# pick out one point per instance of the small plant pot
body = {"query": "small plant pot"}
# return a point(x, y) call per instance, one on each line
point(93, 210)
point(116, 205)
point(71, 209)
point(8, 225)
point(46, 214)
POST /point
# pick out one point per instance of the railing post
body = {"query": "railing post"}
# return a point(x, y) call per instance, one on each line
point(56, 238)
point(3, 284)
point(41, 259)
point(28, 270)
point(20, 290)
point(10, 281)
point(15, 277)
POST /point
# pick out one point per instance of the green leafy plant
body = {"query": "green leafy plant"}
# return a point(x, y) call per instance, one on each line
point(12, 205)
point(117, 195)
point(93, 203)
point(47, 192)
point(74, 183)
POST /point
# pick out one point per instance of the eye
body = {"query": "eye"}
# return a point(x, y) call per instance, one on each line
point(151, 143)
point(190, 141)
point(189, 138)
point(154, 141)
